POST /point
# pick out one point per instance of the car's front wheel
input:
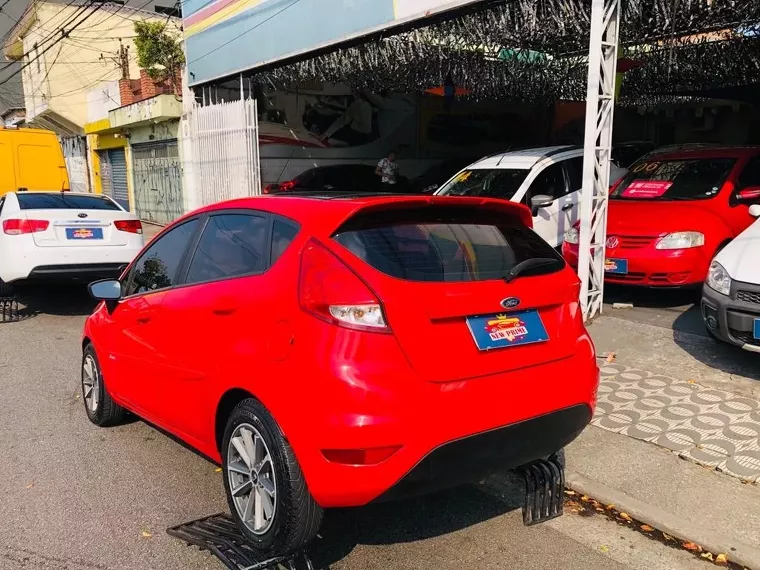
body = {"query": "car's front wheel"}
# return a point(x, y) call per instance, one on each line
point(100, 407)
point(265, 487)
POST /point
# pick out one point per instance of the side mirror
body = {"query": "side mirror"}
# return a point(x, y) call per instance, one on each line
point(754, 210)
point(106, 290)
point(749, 194)
point(540, 201)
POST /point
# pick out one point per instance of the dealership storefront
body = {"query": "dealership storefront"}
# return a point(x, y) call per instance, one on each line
point(438, 78)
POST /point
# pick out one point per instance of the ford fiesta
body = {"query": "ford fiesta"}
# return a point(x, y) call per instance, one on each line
point(673, 212)
point(332, 351)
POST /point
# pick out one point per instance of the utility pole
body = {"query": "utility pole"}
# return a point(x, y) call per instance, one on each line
point(124, 60)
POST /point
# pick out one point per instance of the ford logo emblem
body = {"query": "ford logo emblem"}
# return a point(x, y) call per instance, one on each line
point(510, 303)
point(82, 215)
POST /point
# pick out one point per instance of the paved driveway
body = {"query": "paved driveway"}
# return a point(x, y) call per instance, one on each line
point(76, 497)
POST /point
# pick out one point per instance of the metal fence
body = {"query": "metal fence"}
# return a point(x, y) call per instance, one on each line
point(158, 181)
point(224, 152)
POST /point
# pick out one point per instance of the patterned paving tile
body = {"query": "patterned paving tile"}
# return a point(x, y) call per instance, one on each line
point(711, 427)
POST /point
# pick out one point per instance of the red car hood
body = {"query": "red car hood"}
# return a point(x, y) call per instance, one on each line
point(652, 218)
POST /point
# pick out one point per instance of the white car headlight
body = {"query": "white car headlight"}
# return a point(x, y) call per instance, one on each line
point(719, 279)
point(572, 236)
point(681, 240)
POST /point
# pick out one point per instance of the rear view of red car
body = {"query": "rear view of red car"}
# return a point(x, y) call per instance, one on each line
point(673, 212)
point(334, 351)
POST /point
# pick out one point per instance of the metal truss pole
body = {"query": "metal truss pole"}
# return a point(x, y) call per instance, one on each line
point(600, 107)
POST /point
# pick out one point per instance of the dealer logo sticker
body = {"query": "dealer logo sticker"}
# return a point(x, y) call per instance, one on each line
point(505, 328)
point(612, 242)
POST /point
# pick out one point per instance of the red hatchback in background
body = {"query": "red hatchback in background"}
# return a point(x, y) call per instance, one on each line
point(331, 351)
point(673, 212)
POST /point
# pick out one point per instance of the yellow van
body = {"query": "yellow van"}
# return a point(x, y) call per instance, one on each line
point(31, 159)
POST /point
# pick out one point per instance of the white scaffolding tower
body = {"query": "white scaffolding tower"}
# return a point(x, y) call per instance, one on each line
point(600, 110)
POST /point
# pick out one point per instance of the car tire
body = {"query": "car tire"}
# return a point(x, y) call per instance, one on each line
point(294, 517)
point(6, 290)
point(100, 407)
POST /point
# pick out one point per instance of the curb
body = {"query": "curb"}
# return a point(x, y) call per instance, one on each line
point(712, 541)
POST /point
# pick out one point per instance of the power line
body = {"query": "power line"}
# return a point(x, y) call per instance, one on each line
point(50, 35)
point(246, 31)
point(64, 34)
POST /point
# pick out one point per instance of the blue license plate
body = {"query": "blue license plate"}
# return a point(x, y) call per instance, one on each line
point(502, 330)
point(616, 266)
point(84, 233)
point(756, 330)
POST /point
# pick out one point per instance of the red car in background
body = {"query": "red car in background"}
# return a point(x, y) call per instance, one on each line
point(333, 350)
point(673, 212)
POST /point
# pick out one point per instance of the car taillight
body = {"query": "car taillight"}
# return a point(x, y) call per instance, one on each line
point(331, 291)
point(289, 185)
point(18, 227)
point(131, 226)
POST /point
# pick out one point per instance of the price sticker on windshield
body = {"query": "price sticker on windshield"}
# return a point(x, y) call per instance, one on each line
point(646, 167)
point(463, 176)
point(646, 189)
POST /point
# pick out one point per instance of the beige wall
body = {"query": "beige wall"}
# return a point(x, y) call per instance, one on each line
point(74, 66)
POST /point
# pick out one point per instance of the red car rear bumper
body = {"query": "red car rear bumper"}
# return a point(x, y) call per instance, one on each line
point(650, 267)
point(445, 433)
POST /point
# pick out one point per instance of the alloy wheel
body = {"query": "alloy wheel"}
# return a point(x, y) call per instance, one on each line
point(91, 383)
point(251, 477)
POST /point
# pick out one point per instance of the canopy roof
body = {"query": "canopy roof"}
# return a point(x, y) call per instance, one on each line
point(683, 49)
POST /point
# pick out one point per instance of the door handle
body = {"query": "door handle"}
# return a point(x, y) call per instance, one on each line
point(224, 306)
point(567, 207)
point(143, 318)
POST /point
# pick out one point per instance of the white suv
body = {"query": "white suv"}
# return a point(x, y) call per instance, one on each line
point(548, 180)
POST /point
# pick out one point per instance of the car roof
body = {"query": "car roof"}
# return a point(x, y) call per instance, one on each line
point(523, 158)
point(321, 213)
point(706, 152)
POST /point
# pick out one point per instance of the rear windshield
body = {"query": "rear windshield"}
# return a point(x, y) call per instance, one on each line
point(687, 179)
point(445, 244)
point(486, 183)
point(63, 201)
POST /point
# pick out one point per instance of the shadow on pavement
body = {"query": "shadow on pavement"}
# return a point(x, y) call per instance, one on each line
point(715, 354)
point(669, 308)
point(54, 299)
point(413, 520)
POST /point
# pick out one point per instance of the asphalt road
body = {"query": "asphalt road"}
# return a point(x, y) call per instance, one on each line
point(76, 497)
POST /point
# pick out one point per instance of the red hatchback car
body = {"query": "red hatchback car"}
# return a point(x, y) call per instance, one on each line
point(331, 351)
point(673, 212)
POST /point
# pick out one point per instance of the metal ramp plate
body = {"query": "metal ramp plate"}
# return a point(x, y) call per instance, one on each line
point(544, 491)
point(219, 535)
point(9, 311)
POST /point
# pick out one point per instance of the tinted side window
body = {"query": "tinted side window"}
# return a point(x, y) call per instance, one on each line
point(157, 268)
point(283, 234)
point(550, 182)
point(575, 173)
point(750, 176)
point(231, 245)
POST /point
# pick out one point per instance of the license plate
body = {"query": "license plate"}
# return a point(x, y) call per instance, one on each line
point(756, 330)
point(616, 266)
point(84, 233)
point(502, 330)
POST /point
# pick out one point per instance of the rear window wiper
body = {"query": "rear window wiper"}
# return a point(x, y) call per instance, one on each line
point(529, 265)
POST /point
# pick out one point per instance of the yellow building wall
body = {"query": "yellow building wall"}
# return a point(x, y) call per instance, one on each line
point(73, 66)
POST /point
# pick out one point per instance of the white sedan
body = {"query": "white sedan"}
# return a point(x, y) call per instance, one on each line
point(59, 236)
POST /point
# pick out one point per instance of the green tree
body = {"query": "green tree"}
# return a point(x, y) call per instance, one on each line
point(158, 51)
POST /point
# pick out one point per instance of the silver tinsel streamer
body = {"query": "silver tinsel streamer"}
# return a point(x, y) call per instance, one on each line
point(714, 44)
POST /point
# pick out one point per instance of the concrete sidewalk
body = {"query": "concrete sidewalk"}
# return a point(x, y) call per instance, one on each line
point(676, 437)
point(150, 230)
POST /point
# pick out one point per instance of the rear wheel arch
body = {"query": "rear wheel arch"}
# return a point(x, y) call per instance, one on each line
point(227, 403)
point(86, 342)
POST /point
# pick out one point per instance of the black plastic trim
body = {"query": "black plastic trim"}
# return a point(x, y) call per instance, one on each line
point(469, 459)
